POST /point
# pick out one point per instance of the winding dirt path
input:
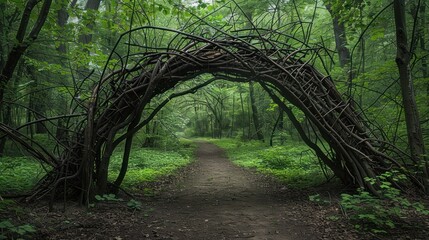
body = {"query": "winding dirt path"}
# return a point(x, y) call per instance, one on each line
point(218, 200)
point(213, 200)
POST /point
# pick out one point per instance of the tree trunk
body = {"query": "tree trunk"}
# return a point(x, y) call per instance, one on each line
point(403, 56)
point(243, 115)
point(421, 36)
point(36, 101)
point(340, 38)
point(255, 115)
point(86, 39)
point(22, 43)
point(62, 19)
point(90, 5)
point(3, 36)
point(276, 124)
point(7, 120)
point(232, 117)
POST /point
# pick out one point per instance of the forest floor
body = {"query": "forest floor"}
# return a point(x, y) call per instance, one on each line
point(210, 199)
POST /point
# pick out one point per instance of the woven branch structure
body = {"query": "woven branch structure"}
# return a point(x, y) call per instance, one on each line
point(149, 61)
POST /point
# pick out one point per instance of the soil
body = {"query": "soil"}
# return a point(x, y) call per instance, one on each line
point(210, 199)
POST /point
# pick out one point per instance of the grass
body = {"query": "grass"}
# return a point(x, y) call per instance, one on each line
point(19, 174)
point(293, 164)
point(148, 165)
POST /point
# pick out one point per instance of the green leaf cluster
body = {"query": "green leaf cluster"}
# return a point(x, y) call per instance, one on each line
point(134, 204)
point(379, 214)
point(108, 198)
point(18, 174)
point(10, 231)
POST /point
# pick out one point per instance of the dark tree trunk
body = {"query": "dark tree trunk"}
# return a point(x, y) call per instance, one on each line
point(403, 56)
point(62, 19)
point(36, 102)
point(276, 125)
point(340, 38)
point(281, 126)
point(90, 5)
point(22, 44)
point(7, 120)
point(9, 64)
point(3, 36)
point(85, 39)
point(243, 115)
point(422, 42)
point(255, 115)
point(231, 133)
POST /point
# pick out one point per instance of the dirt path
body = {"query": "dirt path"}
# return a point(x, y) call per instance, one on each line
point(221, 201)
point(214, 200)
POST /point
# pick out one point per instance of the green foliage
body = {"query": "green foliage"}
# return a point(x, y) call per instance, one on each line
point(287, 157)
point(9, 206)
point(10, 231)
point(349, 11)
point(294, 164)
point(378, 214)
point(18, 174)
point(108, 197)
point(316, 198)
point(134, 205)
point(148, 165)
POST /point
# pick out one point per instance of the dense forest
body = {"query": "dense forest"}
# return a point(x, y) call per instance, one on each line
point(90, 88)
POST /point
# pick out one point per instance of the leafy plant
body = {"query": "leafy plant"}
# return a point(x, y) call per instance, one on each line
point(7, 206)
point(316, 198)
point(134, 205)
point(378, 214)
point(18, 174)
point(9, 230)
point(108, 197)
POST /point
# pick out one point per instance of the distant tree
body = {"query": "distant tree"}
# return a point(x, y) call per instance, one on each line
point(340, 36)
point(23, 39)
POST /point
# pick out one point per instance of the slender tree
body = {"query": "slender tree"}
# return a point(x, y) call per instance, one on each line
point(255, 114)
point(403, 56)
point(340, 37)
point(23, 41)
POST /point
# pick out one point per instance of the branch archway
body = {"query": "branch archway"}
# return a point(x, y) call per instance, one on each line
point(144, 65)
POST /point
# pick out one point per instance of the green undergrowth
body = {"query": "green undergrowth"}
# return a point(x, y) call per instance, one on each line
point(18, 174)
point(14, 227)
point(150, 164)
point(293, 164)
